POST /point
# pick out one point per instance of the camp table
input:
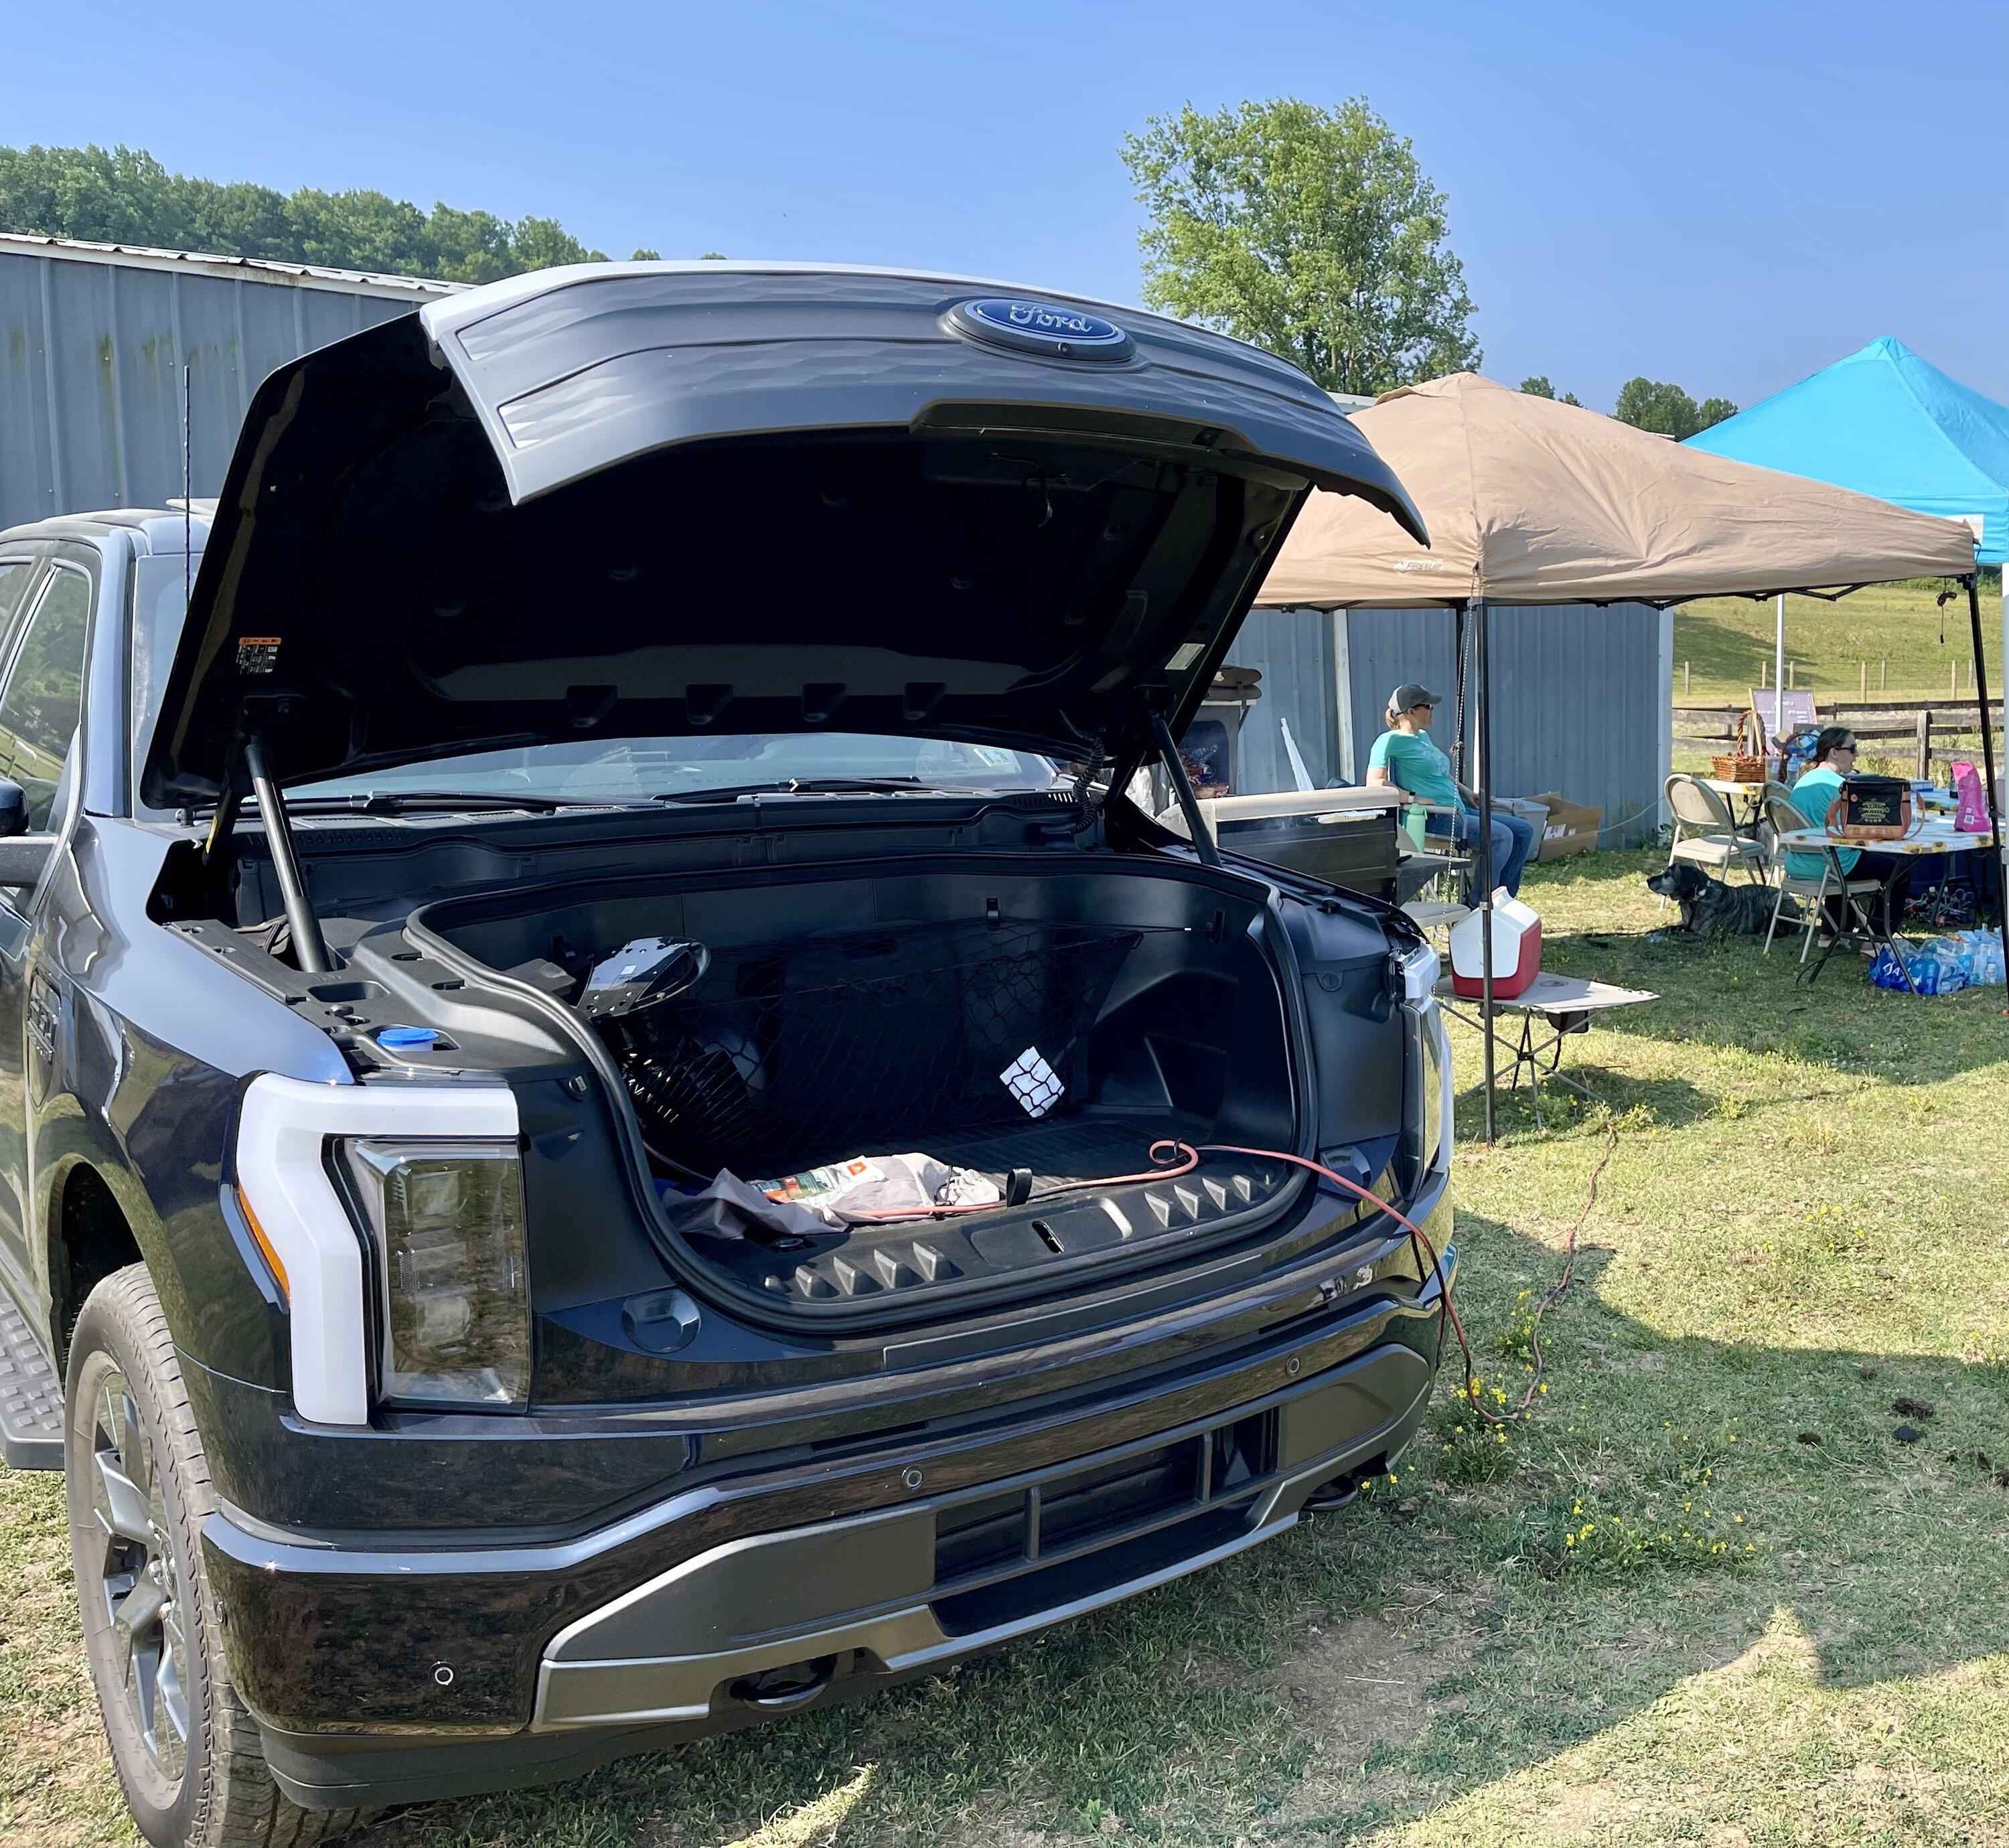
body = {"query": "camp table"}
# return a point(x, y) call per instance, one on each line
point(1551, 1008)
point(1926, 837)
point(1751, 794)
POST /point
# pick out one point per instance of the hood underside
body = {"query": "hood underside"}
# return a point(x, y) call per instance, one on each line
point(659, 500)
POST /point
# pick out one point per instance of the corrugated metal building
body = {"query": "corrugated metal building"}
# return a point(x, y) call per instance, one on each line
point(1582, 698)
point(95, 338)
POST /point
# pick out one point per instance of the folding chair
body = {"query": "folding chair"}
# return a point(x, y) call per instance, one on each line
point(1784, 817)
point(1440, 904)
point(1705, 833)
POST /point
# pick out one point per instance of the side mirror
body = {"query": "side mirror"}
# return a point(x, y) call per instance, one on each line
point(14, 808)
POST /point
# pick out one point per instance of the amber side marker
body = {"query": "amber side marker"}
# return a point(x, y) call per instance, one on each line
point(265, 1245)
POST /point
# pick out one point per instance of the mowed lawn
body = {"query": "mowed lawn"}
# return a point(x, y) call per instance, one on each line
point(1895, 627)
point(1707, 1594)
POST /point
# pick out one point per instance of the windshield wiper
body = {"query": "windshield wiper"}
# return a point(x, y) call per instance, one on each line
point(442, 801)
point(810, 786)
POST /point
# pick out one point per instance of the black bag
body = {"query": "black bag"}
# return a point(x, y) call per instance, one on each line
point(1873, 809)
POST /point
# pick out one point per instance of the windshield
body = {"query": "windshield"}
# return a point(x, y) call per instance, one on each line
point(637, 769)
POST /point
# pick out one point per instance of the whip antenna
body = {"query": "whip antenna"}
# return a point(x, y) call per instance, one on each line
point(188, 512)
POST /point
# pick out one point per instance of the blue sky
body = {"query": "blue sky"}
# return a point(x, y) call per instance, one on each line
point(1729, 196)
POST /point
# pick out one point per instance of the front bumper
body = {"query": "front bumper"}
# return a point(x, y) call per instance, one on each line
point(403, 1676)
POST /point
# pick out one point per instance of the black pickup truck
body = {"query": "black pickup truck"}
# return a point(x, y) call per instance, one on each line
point(611, 1121)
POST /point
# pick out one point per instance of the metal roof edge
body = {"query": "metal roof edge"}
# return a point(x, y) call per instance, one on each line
point(252, 269)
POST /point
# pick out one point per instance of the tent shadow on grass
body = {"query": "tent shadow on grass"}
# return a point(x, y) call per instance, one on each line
point(1171, 1709)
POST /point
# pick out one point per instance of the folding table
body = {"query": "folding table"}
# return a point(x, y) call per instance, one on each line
point(1927, 838)
point(1551, 1008)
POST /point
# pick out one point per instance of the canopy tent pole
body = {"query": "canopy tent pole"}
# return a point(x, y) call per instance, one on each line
point(1778, 724)
point(2005, 868)
point(1988, 749)
point(1460, 708)
point(1482, 741)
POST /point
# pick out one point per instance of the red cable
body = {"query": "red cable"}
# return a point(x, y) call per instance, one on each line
point(1045, 1193)
point(1428, 1263)
point(1419, 1245)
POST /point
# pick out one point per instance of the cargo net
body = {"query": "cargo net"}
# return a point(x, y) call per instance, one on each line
point(785, 1055)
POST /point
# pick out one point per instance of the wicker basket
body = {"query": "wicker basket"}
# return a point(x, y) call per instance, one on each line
point(1743, 766)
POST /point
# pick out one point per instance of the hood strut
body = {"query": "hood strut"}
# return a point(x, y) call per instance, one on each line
point(1175, 773)
point(310, 948)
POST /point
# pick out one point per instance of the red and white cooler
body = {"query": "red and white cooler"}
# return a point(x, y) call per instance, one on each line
point(1517, 950)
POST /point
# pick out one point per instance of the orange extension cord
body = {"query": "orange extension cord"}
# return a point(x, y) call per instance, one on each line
point(1171, 1157)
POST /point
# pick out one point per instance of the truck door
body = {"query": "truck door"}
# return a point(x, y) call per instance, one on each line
point(40, 701)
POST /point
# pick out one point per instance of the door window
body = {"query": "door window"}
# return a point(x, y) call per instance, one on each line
point(44, 696)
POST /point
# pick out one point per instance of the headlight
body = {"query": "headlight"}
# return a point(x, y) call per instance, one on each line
point(446, 1222)
point(1436, 1085)
point(1418, 972)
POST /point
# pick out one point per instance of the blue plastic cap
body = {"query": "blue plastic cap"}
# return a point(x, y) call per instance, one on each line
point(400, 1037)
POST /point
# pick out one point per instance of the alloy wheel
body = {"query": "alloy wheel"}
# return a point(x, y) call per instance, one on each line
point(138, 1581)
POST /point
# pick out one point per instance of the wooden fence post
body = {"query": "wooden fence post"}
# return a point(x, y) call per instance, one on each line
point(1688, 679)
point(1864, 694)
point(1924, 744)
point(1763, 664)
point(1953, 680)
point(1882, 676)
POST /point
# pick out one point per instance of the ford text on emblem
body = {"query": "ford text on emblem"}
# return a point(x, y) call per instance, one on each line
point(1043, 327)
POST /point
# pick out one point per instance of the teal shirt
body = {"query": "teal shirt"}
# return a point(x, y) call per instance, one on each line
point(1414, 763)
point(1813, 795)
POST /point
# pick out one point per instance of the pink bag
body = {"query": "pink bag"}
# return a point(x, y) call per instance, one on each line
point(1973, 816)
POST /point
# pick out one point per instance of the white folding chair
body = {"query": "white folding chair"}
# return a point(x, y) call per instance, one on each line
point(1706, 833)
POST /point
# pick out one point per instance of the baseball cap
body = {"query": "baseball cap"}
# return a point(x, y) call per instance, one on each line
point(1409, 694)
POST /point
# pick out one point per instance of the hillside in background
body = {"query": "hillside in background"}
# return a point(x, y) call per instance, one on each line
point(1895, 627)
point(124, 196)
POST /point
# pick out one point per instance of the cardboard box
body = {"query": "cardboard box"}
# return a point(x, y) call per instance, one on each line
point(1572, 827)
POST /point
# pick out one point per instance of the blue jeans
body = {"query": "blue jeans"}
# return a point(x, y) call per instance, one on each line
point(1513, 842)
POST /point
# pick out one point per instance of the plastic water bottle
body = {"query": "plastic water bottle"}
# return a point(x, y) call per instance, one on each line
point(1985, 959)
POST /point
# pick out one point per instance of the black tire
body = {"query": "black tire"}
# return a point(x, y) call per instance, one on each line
point(187, 1753)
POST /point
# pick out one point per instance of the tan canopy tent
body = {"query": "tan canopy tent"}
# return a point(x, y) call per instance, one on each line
point(1531, 502)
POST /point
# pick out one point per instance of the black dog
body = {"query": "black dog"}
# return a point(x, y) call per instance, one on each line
point(1711, 908)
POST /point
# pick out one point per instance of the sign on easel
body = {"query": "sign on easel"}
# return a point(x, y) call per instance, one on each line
point(1799, 711)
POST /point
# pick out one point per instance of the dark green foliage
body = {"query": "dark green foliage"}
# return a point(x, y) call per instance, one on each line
point(124, 196)
point(1667, 409)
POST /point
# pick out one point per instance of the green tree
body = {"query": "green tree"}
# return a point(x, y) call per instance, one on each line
point(1667, 409)
point(124, 196)
point(1537, 386)
point(1308, 231)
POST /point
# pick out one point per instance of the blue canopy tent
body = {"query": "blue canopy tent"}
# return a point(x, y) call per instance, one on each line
point(1885, 423)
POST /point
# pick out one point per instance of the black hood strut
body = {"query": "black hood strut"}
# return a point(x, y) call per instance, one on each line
point(310, 947)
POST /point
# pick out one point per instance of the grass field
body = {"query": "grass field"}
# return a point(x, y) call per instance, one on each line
point(1895, 627)
point(1707, 1594)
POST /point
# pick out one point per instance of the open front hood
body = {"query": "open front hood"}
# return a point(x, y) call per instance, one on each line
point(651, 499)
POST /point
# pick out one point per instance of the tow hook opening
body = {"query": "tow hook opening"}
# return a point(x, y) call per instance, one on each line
point(1337, 1491)
point(776, 1690)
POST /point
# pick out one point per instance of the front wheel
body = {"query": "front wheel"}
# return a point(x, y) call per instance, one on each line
point(187, 1753)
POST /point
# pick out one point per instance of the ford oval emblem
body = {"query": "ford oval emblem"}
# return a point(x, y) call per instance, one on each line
point(1042, 327)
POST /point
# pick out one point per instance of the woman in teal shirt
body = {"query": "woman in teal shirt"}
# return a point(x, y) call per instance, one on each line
point(1404, 758)
point(1815, 794)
